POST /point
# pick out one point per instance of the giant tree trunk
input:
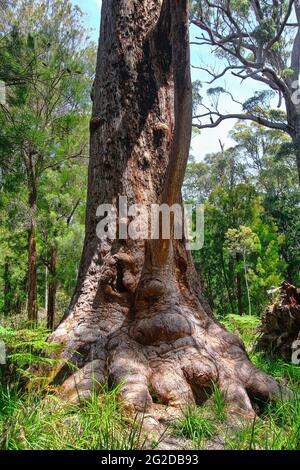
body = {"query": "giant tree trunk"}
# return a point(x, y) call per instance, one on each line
point(138, 315)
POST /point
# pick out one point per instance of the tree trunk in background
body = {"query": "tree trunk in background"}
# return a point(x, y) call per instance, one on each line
point(52, 287)
point(247, 284)
point(7, 289)
point(32, 254)
point(296, 144)
point(227, 284)
point(297, 152)
point(138, 316)
point(239, 288)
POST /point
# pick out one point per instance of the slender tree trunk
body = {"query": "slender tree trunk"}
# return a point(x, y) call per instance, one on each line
point(247, 284)
point(232, 281)
point(239, 293)
point(7, 289)
point(227, 283)
point(297, 152)
point(46, 288)
point(52, 288)
point(138, 315)
point(296, 144)
point(32, 256)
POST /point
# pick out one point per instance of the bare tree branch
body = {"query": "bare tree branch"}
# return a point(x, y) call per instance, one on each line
point(242, 116)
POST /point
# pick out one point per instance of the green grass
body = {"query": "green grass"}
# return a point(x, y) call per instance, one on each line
point(195, 426)
point(277, 429)
point(218, 404)
point(49, 423)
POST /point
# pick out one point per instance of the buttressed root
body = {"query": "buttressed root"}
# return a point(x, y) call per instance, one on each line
point(169, 358)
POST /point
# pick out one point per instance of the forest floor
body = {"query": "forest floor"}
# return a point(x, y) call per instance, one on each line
point(40, 420)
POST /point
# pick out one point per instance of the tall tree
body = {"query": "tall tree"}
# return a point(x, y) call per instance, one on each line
point(47, 76)
point(138, 314)
point(254, 40)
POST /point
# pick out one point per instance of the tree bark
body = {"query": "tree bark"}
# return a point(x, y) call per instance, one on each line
point(138, 316)
point(52, 287)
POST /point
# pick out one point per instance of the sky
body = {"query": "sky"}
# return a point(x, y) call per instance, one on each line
point(208, 140)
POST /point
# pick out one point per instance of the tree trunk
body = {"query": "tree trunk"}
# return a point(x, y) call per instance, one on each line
point(227, 285)
point(296, 144)
point(7, 289)
point(247, 284)
point(52, 288)
point(297, 152)
point(239, 288)
point(32, 255)
point(138, 315)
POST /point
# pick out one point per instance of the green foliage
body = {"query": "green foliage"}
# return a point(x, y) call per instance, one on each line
point(251, 200)
point(259, 102)
point(27, 351)
point(242, 240)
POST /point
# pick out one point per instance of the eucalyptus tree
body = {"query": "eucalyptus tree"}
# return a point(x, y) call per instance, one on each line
point(138, 314)
point(254, 40)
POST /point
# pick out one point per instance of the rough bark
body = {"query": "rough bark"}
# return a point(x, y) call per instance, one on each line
point(138, 316)
point(52, 287)
point(280, 326)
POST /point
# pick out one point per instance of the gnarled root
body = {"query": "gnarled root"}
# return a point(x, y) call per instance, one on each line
point(172, 359)
point(181, 371)
point(160, 341)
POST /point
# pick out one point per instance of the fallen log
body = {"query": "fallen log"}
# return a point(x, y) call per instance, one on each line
point(280, 327)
